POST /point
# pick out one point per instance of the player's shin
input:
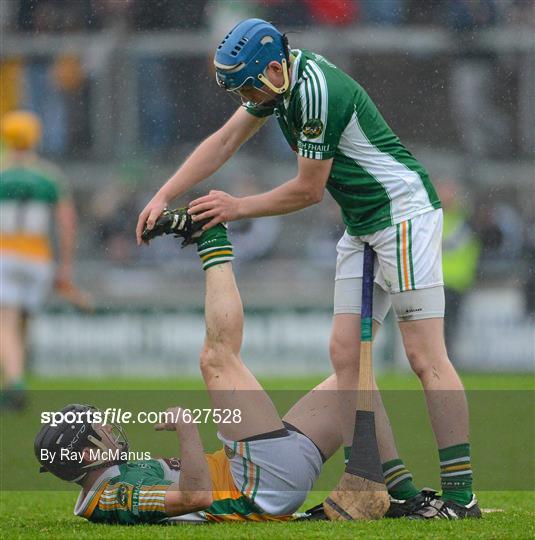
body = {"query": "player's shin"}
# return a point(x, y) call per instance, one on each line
point(361, 492)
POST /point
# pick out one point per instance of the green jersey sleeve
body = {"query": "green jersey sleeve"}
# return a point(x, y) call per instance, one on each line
point(136, 496)
point(321, 112)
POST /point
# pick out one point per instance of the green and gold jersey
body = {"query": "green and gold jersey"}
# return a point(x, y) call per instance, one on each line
point(134, 492)
point(374, 179)
point(29, 191)
point(130, 493)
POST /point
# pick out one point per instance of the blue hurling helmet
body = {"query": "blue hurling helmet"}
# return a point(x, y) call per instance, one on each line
point(242, 57)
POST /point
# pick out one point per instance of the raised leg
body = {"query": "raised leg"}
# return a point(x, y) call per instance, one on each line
point(317, 416)
point(230, 383)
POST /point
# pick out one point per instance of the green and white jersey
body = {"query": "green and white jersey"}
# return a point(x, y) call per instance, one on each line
point(325, 114)
point(30, 189)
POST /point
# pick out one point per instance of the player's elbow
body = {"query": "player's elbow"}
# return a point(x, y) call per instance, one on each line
point(313, 196)
point(310, 192)
point(198, 500)
point(228, 142)
point(178, 503)
point(317, 195)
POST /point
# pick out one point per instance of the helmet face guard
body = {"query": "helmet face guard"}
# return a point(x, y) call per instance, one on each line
point(239, 94)
point(243, 56)
point(67, 437)
point(105, 438)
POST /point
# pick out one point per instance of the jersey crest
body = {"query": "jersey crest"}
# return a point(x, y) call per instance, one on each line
point(124, 496)
point(313, 128)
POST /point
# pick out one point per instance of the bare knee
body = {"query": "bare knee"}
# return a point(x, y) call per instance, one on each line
point(424, 346)
point(344, 353)
point(427, 364)
point(418, 361)
point(215, 359)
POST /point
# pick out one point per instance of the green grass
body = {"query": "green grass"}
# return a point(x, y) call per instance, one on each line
point(49, 514)
point(388, 381)
point(503, 439)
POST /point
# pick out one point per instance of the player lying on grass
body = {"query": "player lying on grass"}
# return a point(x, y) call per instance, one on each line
point(267, 466)
point(387, 200)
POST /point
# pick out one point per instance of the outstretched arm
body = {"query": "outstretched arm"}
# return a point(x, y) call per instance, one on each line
point(306, 189)
point(205, 160)
point(66, 231)
point(194, 489)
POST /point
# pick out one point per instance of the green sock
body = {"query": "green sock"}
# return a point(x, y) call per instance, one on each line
point(398, 480)
point(14, 388)
point(17, 385)
point(214, 247)
point(347, 453)
point(456, 473)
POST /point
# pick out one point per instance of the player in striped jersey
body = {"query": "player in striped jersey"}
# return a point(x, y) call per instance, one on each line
point(33, 196)
point(387, 200)
point(267, 465)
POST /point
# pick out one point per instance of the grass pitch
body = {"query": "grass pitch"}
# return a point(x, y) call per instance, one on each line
point(34, 513)
point(49, 514)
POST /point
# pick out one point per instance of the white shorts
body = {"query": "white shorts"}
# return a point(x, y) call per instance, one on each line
point(285, 469)
point(408, 269)
point(24, 284)
point(276, 474)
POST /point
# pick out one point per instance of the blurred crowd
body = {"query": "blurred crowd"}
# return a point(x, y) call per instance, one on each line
point(143, 15)
point(168, 92)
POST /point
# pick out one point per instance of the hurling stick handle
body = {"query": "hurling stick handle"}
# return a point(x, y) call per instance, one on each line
point(365, 386)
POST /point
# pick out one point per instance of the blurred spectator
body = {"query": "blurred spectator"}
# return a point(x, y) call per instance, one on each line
point(501, 230)
point(55, 87)
point(253, 239)
point(383, 12)
point(424, 13)
point(286, 13)
point(520, 13)
point(57, 15)
point(159, 104)
point(222, 16)
point(113, 209)
point(333, 12)
point(472, 15)
point(483, 128)
point(323, 235)
point(460, 256)
point(11, 77)
point(157, 116)
point(8, 14)
point(167, 14)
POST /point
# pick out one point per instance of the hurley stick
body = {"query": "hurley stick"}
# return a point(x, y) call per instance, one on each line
point(361, 492)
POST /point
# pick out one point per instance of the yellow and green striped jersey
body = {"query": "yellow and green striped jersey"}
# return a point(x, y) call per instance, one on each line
point(326, 114)
point(134, 492)
point(29, 191)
